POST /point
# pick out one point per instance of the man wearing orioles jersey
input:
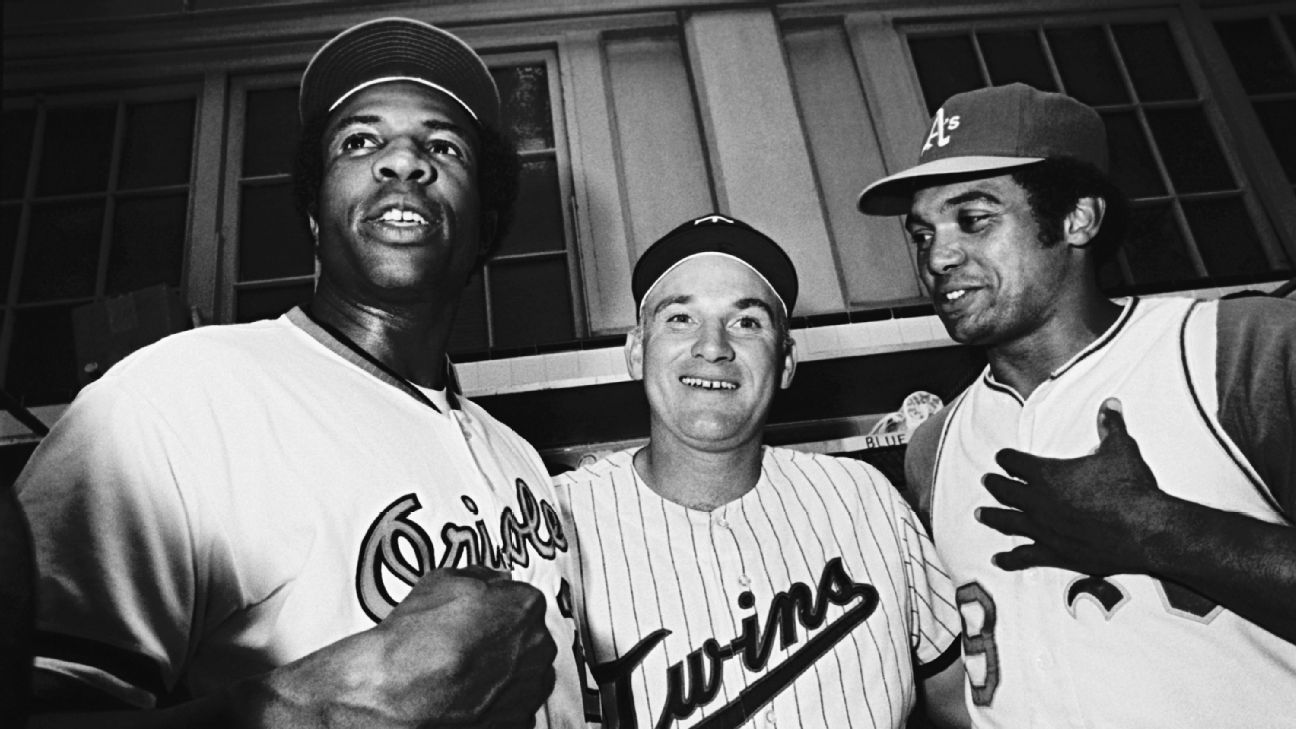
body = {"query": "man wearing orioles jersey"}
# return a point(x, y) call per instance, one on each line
point(298, 522)
point(723, 583)
point(1114, 496)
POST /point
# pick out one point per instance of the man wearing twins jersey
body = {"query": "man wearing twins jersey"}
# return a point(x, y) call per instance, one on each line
point(299, 522)
point(1136, 570)
point(726, 584)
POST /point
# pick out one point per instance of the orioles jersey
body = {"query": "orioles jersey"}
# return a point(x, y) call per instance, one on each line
point(235, 497)
point(808, 602)
point(1208, 391)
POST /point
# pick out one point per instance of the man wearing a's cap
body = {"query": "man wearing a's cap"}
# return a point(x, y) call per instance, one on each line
point(725, 583)
point(1133, 569)
point(300, 522)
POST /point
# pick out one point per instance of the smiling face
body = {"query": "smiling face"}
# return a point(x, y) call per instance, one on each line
point(399, 213)
point(979, 252)
point(711, 353)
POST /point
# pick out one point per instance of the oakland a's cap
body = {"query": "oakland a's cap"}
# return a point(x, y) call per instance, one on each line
point(992, 129)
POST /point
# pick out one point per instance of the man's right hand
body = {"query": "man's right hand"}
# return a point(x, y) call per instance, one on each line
point(466, 647)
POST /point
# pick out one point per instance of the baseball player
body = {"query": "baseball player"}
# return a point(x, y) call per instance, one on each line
point(1114, 496)
point(723, 583)
point(300, 522)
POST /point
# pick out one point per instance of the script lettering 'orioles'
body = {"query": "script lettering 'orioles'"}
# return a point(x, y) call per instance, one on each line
point(535, 527)
point(696, 681)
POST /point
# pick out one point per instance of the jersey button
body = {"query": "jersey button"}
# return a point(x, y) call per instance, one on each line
point(744, 580)
point(722, 522)
point(770, 718)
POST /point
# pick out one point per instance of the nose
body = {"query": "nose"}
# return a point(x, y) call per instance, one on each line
point(945, 254)
point(403, 160)
point(712, 343)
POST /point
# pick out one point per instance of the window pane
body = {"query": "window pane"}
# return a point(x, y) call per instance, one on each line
point(274, 239)
point(1257, 57)
point(271, 301)
point(1189, 149)
point(270, 132)
point(1225, 237)
point(148, 242)
point(537, 216)
point(17, 132)
point(159, 144)
point(469, 334)
point(1279, 121)
point(656, 120)
point(1088, 70)
point(531, 302)
point(1016, 56)
point(1155, 248)
point(62, 250)
point(77, 151)
point(524, 101)
point(945, 66)
point(1133, 168)
point(42, 358)
point(1153, 62)
point(9, 215)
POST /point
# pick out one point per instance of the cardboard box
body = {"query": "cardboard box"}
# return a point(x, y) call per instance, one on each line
point(106, 330)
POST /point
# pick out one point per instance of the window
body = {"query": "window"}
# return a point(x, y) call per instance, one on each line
point(1195, 220)
point(1263, 53)
point(95, 203)
point(526, 295)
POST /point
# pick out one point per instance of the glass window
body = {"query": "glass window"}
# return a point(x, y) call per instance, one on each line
point(1263, 53)
point(1195, 219)
point(95, 203)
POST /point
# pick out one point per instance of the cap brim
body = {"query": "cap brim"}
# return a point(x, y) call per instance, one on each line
point(892, 195)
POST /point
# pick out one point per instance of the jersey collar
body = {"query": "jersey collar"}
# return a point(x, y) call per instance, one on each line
point(342, 346)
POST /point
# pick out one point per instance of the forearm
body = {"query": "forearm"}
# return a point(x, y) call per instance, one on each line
point(1244, 564)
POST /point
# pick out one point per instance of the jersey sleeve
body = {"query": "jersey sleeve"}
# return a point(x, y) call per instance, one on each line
point(1255, 362)
point(115, 557)
point(934, 617)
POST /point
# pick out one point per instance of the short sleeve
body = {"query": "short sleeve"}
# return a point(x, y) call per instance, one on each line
point(113, 547)
point(934, 616)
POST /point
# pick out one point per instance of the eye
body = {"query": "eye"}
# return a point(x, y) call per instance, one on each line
point(749, 322)
point(678, 318)
point(446, 147)
point(920, 237)
point(352, 142)
point(971, 222)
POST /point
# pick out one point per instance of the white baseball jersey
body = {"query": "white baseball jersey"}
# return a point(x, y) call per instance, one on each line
point(235, 497)
point(1046, 647)
point(808, 602)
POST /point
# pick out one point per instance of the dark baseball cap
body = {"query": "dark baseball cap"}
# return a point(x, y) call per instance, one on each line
point(398, 49)
point(992, 129)
point(717, 234)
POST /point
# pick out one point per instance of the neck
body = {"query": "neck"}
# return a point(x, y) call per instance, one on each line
point(702, 480)
point(1025, 362)
point(409, 339)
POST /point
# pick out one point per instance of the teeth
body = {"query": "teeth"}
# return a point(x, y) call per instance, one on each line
point(708, 384)
point(955, 295)
point(396, 215)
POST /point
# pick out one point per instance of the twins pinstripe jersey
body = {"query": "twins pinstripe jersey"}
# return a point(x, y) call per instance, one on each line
point(1051, 648)
point(805, 603)
point(235, 497)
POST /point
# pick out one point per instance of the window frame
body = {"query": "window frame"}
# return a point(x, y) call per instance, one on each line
point(120, 96)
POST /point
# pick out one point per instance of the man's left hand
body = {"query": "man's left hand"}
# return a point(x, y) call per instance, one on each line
point(1092, 515)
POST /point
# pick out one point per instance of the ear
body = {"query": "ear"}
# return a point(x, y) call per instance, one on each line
point(634, 352)
point(1083, 222)
point(789, 364)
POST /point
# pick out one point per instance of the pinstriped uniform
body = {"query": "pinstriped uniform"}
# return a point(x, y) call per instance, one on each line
point(806, 602)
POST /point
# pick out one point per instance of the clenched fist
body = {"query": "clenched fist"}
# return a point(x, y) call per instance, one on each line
point(467, 647)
